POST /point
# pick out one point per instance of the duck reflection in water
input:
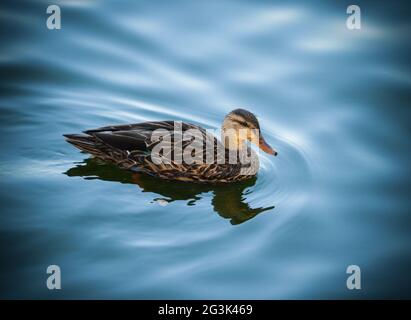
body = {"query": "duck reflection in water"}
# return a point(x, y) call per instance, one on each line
point(228, 200)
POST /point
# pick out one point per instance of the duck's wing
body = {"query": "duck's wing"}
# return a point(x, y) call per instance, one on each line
point(139, 136)
point(132, 144)
point(143, 126)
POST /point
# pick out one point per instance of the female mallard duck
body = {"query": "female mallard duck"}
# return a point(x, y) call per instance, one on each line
point(142, 147)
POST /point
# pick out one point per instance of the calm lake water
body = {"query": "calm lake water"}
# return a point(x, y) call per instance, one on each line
point(335, 103)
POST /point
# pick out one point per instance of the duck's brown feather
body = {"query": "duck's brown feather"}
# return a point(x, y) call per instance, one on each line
point(130, 147)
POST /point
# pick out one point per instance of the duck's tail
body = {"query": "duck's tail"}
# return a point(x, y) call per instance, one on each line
point(84, 142)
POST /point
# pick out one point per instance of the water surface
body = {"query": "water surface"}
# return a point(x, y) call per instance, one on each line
point(333, 102)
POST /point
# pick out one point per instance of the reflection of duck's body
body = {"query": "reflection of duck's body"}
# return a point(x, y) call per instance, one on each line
point(228, 200)
point(143, 147)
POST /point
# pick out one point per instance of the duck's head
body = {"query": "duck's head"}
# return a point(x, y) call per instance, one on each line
point(241, 125)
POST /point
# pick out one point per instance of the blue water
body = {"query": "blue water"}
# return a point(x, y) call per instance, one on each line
point(335, 103)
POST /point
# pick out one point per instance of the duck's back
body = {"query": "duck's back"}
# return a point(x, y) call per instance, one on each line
point(166, 149)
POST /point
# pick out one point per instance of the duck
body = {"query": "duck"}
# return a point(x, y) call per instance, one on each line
point(180, 151)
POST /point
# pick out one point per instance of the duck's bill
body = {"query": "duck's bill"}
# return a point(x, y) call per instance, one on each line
point(266, 147)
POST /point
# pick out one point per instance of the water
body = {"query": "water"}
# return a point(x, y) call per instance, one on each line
point(333, 102)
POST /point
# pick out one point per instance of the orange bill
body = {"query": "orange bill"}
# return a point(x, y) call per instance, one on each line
point(266, 147)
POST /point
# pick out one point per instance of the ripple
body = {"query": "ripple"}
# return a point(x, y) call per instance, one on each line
point(332, 102)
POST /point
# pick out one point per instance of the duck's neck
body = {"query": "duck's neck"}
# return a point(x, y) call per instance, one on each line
point(232, 139)
point(239, 152)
